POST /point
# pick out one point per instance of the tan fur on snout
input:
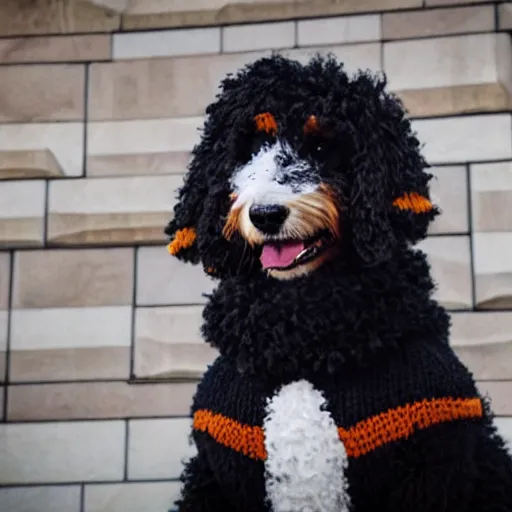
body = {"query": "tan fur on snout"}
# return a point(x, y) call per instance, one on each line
point(309, 214)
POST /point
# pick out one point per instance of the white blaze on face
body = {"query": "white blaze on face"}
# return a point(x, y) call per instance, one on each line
point(306, 460)
point(265, 179)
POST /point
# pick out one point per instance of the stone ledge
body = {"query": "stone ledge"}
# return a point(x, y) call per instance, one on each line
point(29, 164)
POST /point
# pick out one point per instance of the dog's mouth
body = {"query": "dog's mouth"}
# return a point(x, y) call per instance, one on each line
point(289, 254)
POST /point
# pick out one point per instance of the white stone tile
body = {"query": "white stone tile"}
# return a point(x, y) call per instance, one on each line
point(443, 61)
point(161, 43)
point(143, 136)
point(504, 426)
point(62, 452)
point(491, 192)
point(448, 189)
point(22, 199)
point(158, 447)
point(64, 140)
point(163, 280)
point(493, 269)
point(168, 342)
point(37, 329)
point(450, 260)
point(258, 36)
point(40, 499)
point(131, 497)
point(339, 29)
point(465, 139)
point(114, 195)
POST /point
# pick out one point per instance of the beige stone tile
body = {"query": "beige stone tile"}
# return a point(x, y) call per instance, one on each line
point(93, 400)
point(459, 99)
point(29, 164)
point(64, 140)
point(5, 276)
point(491, 191)
point(73, 278)
point(170, 162)
point(443, 61)
point(56, 16)
point(143, 14)
point(341, 29)
point(111, 210)
point(465, 139)
point(62, 452)
point(162, 280)
point(76, 48)
point(131, 497)
point(157, 88)
point(504, 426)
point(258, 36)
point(42, 93)
point(354, 56)
point(40, 499)
point(168, 342)
point(449, 192)
point(156, 448)
point(166, 43)
point(4, 319)
point(22, 205)
point(450, 261)
point(493, 269)
point(70, 343)
point(499, 394)
point(505, 16)
point(434, 22)
point(484, 343)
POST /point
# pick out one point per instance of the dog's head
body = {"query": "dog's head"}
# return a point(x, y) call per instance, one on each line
point(300, 165)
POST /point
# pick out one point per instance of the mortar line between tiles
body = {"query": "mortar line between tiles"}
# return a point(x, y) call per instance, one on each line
point(221, 36)
point(496, 18)
point(7, 359)
point(131, 370)
point(85, 118)
point(471, 235)
point(126, 447)
point(91, 482)
point(296, 34)
point(136, 382)
point(82, 497)
point(46, 212)
point(114, 419)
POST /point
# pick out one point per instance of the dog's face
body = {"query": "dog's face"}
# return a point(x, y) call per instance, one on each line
point(299, 166)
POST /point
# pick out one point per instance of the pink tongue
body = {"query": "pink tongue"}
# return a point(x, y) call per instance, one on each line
point(279, 256)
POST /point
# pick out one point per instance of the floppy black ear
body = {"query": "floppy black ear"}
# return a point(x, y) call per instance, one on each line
point(390, 201)
point(182, 229)
point(372, 234)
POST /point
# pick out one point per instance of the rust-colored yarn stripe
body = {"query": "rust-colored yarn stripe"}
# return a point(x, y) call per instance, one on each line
point(362, 438)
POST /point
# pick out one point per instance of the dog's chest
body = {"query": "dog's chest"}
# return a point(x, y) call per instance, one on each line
point(306, 461)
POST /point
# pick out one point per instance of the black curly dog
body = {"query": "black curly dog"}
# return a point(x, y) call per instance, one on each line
point(336, 388)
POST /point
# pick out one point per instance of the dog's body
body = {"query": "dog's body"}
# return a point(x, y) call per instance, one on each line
point(336, 389)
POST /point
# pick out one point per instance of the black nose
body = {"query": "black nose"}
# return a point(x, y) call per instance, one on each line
point(268, 218)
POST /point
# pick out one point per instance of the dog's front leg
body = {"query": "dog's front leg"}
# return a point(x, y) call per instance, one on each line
point(200, 491)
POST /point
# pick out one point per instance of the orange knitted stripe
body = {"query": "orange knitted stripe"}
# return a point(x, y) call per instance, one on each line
point(183, 239)
point(267, 123)
point(413, 202)
point(232, 434)
point(362, 438)
point(400, 423)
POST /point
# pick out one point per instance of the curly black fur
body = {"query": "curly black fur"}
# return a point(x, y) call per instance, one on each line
point(371, 301)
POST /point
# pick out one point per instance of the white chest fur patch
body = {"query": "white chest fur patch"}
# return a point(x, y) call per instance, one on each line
point(306, 460)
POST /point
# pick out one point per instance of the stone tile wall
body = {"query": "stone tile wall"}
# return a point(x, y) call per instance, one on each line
point(100, 102)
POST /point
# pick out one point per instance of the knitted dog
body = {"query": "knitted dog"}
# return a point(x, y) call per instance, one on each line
point(336, 389)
